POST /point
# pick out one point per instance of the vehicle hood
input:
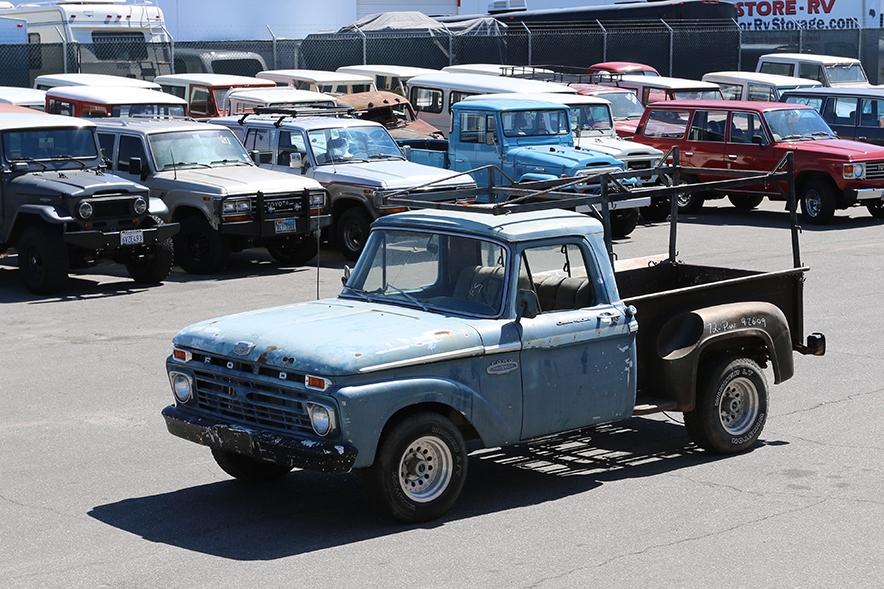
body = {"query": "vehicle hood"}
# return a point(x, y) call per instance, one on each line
point(75, 183)
point(417, 129)
point(854, 151)
point(566, 158)
point(626, 127)
point(332, 337)
point(390, 175)
point(230, 180)
point(616, 147)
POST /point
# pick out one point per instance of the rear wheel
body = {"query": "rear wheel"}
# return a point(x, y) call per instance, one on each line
point(155, 267)
point(817, 202)
point(746, 202)
point(200, 249)
point(876, 210)
point(658, 210)
point(249, 469)
point(689, 203)
point(352, 231)
point(731, 405)
point(419, 469)
point(294, 251)
point(43, 259)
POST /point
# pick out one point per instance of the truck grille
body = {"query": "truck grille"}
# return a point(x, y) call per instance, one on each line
point(233, 394)
point(111, 209)
point(638, 164)
point(875, 170)
point(282, 205)
point(251, 402)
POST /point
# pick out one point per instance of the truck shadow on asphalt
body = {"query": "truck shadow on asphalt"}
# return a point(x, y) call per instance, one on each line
point(307, 511)
point(111, 280)
point(724, 214)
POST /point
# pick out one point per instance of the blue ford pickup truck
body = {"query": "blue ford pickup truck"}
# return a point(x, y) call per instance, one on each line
point(496, 329)
point(526, 140)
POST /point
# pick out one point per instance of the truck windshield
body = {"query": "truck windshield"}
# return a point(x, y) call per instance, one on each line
point(624, 105)
point(845, 73)
point(448, 273)
point(697, 94)
point(352, 144)
point(47, 144)
point(197, 149)
point(797, 125)
point(591, 117)
point(534, 123)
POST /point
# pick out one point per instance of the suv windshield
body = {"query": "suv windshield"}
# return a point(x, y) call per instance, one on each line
point(462, 275)
point(797, 125)
point(591, 117)
point(624, 105)
point(840, 74)
point(349, 144)
point(534, 123)
point(47, 144)
point(197, 149)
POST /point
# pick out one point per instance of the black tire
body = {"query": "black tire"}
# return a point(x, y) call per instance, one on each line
point(153, 268)
point(746, 202)
point(419, 469)
point(689, 204)
point(623, 222)
point(876, 210)
point(817, 202)
point(249, 469)
point(43, 259)
point(294, 251)
point(352, 231)
point(658, 210)
point(731, 406)
point(199, 249)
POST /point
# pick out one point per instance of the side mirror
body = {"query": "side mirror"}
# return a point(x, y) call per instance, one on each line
point(489, 138)
point(346, 275)
point(295, 160)
point(135, 167)
point(526, 304)
point(406, 151)
point(255, 156)
point(758, 140)
point(19, 167)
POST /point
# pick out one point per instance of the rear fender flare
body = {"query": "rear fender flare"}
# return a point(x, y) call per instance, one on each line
point(684, 340)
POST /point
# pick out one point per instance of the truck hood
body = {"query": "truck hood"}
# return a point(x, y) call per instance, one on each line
point(75, 183)
point(853, 151)
point(230, 180)
point(332, 337)
point(616, 147)
point(390, 175)
point(565, 157)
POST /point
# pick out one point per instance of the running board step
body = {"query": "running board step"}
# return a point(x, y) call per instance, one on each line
point(647, 405)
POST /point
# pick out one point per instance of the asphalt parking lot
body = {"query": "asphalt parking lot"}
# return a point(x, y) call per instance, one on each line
point(95, 493)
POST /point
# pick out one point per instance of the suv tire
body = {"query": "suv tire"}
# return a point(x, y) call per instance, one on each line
point(200, 249)
point(43, 259)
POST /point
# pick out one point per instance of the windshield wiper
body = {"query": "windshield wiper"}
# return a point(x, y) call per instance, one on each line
point(408, 296)
point(31, 160)
point(377, 156)
point(182, 164)
point(794, 136)
point(68, 157)
point(822, 133)
point(228, 162)
point(360, 293)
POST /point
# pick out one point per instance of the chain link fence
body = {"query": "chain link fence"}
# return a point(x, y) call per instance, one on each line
point(684, 50)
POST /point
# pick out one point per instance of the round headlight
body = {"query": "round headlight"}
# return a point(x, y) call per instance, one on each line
point(858, 170)
point(140, 206)
point(320, 418)
point(85, 210)
point(181, 386)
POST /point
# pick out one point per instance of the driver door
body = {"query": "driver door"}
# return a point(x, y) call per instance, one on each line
point(578, 354)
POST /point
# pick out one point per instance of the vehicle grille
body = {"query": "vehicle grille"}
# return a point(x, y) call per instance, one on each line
point(112, 209)
point(875, 170)
point(639, 164)
point(276, 205)
point(235, 396)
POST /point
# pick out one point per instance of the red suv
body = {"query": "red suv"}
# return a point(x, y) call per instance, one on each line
point(830, 173)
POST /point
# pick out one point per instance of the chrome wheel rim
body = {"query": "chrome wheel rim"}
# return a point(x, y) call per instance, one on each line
point(738, 408)
point(813, 203)
point(425, 469)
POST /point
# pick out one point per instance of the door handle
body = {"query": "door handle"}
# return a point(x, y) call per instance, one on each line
point(609, 318)
point(861, 138)
point(732, 156)
point(689, 153)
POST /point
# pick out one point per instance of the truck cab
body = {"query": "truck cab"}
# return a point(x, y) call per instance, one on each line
point(829, 70)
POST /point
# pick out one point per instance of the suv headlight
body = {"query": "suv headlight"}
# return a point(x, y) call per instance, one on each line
point(140, 206)
point(84, 210)
point(317, 200)
point(322, 418)
point(853, 171)
point(236, 207)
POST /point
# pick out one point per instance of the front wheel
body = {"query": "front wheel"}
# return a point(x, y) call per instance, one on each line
point(43, 259)
point(200, 249)
point(352, 231)
point(623, 222)
point(876, 210)
point(689, 202)
point(419, 469)
point(817, 202)
point(658, 210)
point(249, 469)
point(731, 405)
point(156, 266)
point(294, 251)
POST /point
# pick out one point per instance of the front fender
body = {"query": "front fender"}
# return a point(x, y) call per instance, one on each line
point(366, 409)
point(535, 176)
point(48, 213)
point(685, 339)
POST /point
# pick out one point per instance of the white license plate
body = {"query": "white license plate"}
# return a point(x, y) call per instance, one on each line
point(131, 237)
point(286, 226)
